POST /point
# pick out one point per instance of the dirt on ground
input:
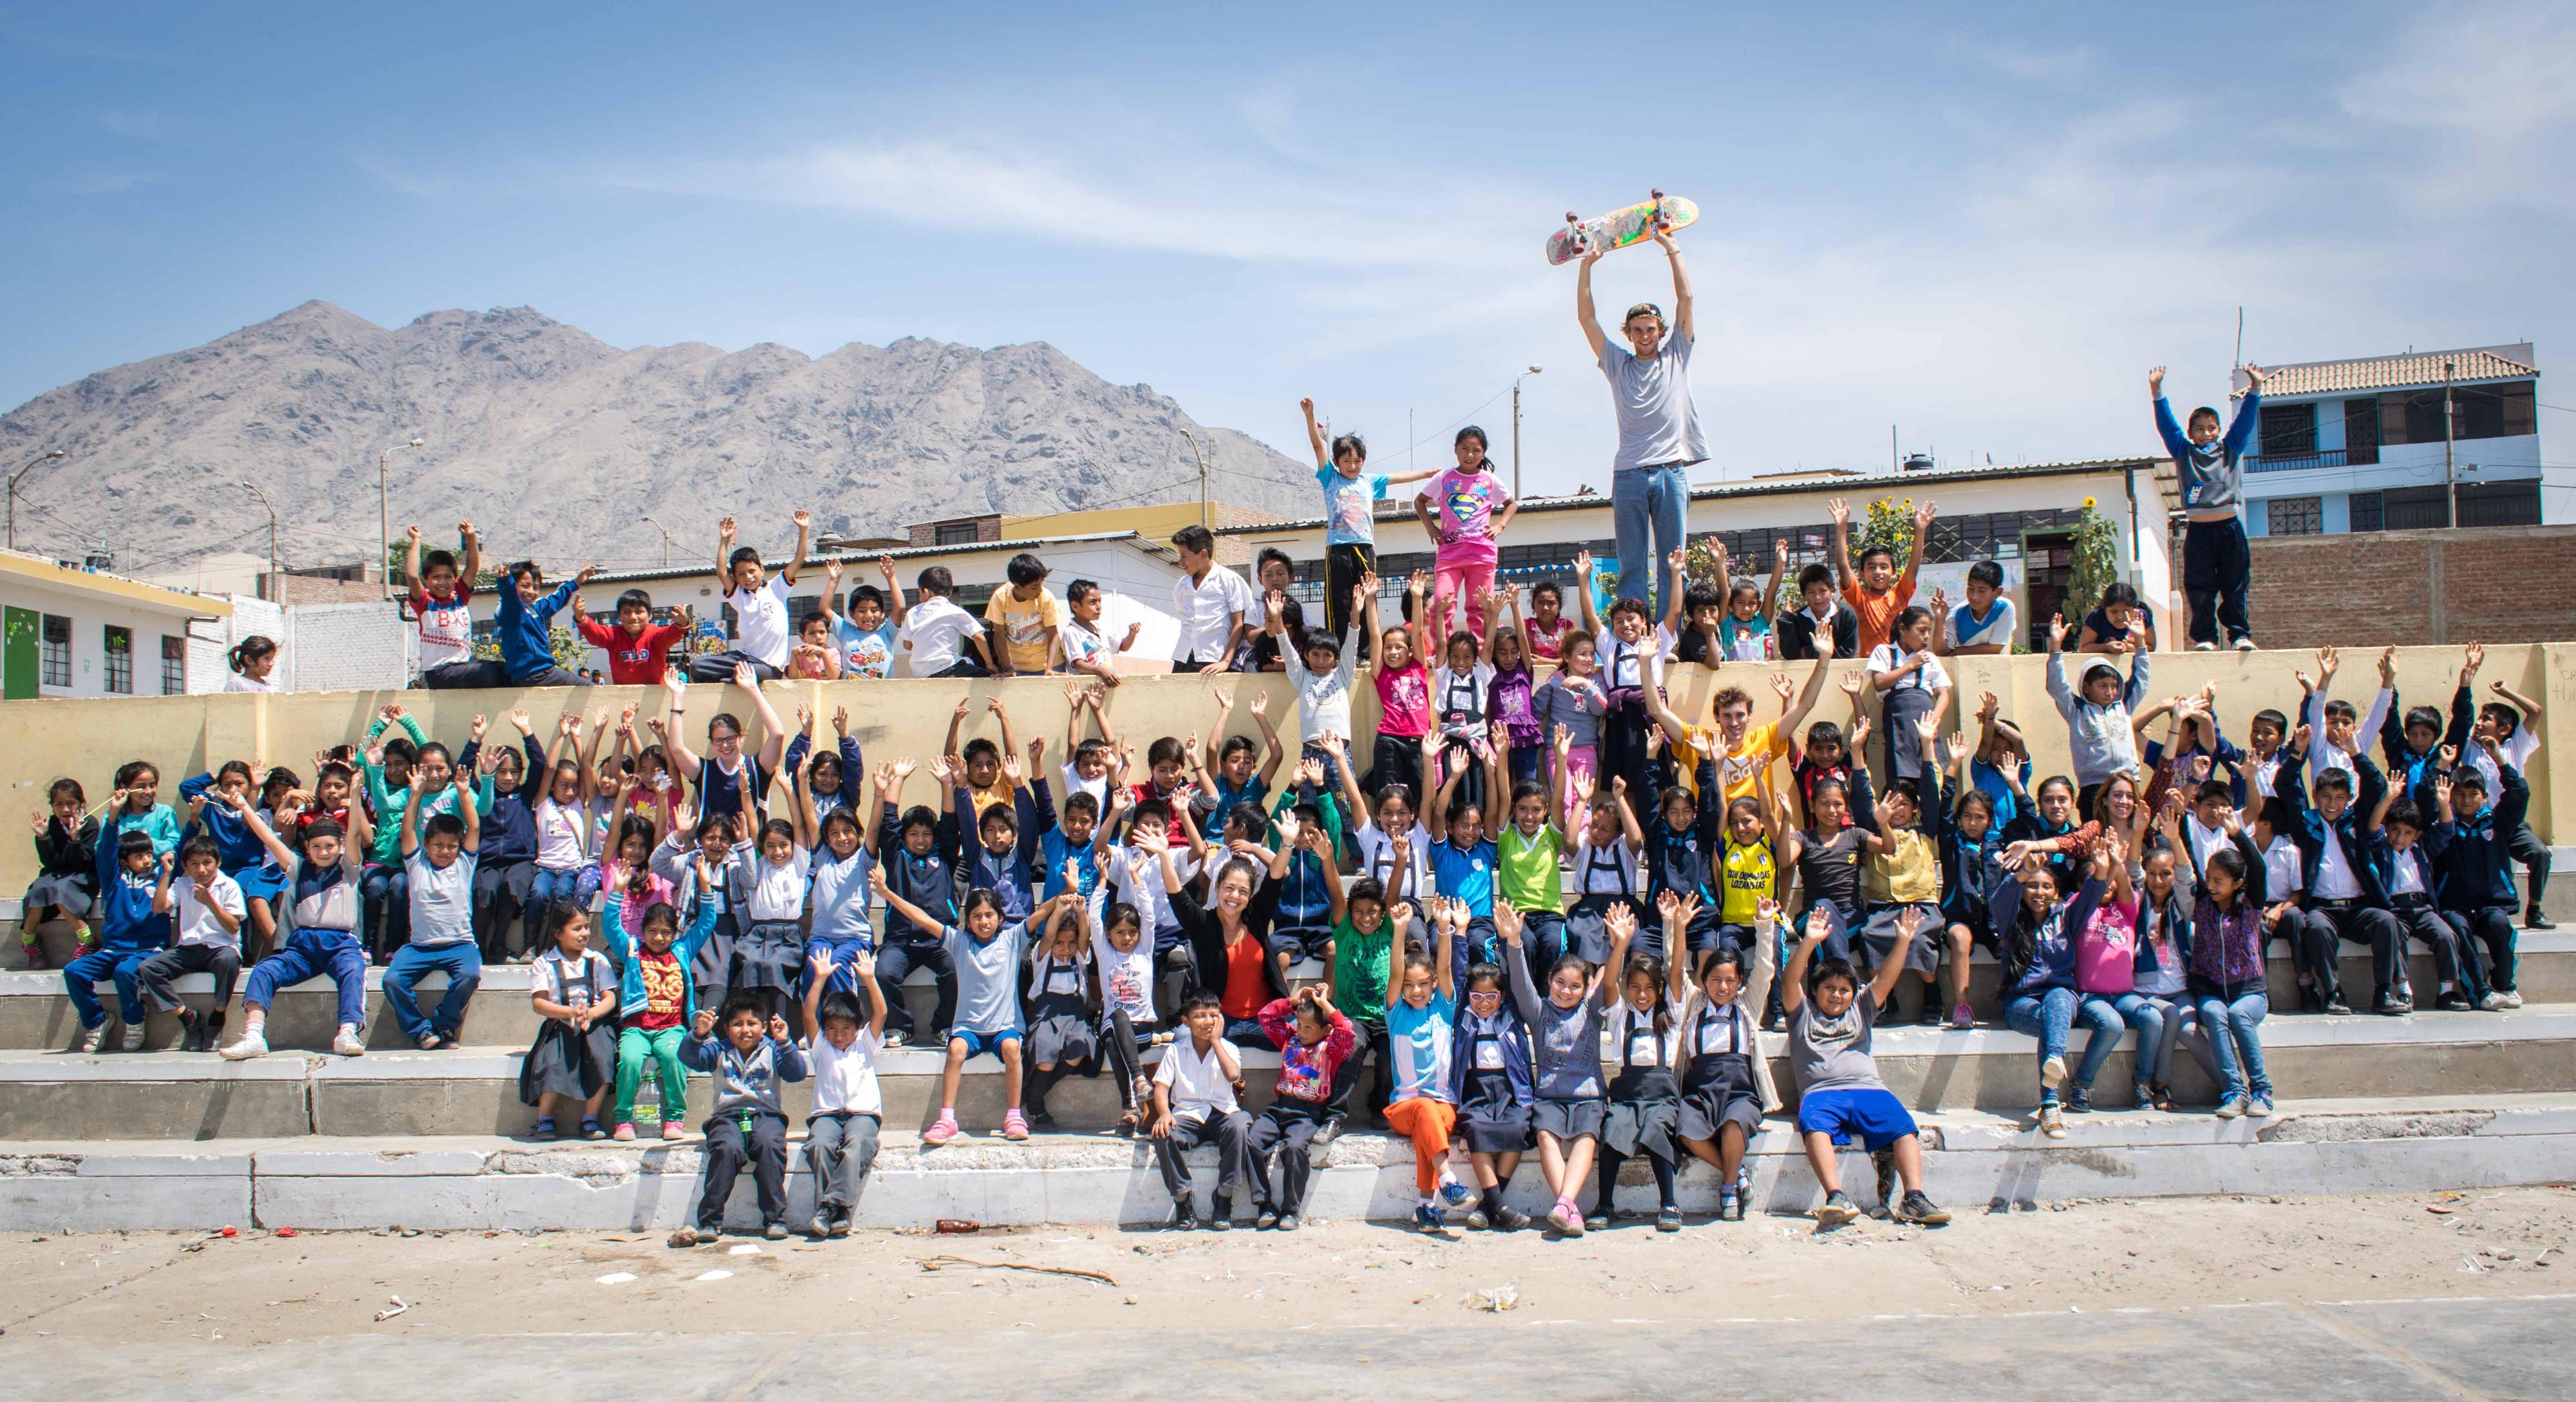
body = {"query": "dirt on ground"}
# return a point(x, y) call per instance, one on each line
point(259, 1287)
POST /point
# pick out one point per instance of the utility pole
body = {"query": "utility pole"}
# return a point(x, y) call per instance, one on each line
point(1895, 462)
point(384, 519)
point(666, 540)
point(2450, 482)
point(276, 585)
point(13, 490)
point(1516, 430)
point(1207, 517)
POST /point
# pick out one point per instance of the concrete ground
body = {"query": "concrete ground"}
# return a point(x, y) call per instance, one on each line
point(2435, 1295)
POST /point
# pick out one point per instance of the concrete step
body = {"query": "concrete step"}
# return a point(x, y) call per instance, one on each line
point(1972, 1160)
point(36, 1014)
point(471, 1090)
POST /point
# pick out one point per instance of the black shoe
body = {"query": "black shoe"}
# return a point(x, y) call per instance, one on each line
point(1287, 1222)
point(1931, 1016)
point(2390, 1005)
point(1220, 1223)
point(2532, 919)
point(840, 1223)
point(2337, 1007)
point(821, 1225)
point(1596, 1221)
point(1264, 1220)
point(2310, 1000)
point(1668, 1220)
point(1185, 1216)
point(1511, 1219)
point(1040, 1122)
point(2454, 1001)
point(775, 1231)
point(1920, 1210)
point(1885, 1162)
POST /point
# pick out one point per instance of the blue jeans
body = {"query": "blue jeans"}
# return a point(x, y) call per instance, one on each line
point(463, 965)
point(2051, 1015)
point(307, 953)
point(2234, 1032)
point(1644, 499)
point(385, 893)
point(555, 886)
point(2159, 1024)
point(81, 976)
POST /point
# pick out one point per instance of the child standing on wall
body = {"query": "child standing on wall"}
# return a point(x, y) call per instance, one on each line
point(1351, 493)
point(1875, 590)
point(1465, 509)
point(2216, 566)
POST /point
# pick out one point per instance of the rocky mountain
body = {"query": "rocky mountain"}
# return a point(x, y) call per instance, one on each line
point(557, 444)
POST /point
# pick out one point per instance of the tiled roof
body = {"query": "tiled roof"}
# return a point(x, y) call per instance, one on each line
point(2414, 370)
point(816, 560)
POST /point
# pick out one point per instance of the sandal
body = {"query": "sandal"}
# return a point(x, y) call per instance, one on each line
point(2160, 1095)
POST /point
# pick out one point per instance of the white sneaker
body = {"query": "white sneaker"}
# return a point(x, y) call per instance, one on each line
point(92, 1038)
point(2052, 1072)
point(2512, 998)
point(2052, 1123)
point(429, 1041)
point(2492, 1002)
point(2245, 645)
point(2204, 647)
point(348, 1043)
point(252, 1044)
point(133, 1039)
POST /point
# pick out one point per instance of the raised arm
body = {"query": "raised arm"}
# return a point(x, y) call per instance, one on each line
point(1583, 313)
point(1315, 435)
point(804, 530)
point(1681, 285)
point(1797, 710)
point(1842, 542)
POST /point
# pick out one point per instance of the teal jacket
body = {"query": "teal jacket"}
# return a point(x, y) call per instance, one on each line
point(621, 948)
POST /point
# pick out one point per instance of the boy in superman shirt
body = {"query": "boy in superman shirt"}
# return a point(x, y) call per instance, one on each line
point(639, 649)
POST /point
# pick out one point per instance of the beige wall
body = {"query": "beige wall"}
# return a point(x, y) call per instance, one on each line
point(40, 740)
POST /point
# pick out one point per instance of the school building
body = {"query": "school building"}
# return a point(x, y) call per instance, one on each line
point(68, 632)
point(2419, 441)
point(2022, 518)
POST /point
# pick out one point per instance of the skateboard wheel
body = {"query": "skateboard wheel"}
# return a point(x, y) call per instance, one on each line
point(1659, 195)
point(1571, 218)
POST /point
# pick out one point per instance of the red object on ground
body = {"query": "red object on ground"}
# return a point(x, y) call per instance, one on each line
point(231, 1231)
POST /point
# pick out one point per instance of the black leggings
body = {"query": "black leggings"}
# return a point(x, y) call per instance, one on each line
point(158, 973)
point(1610, 1161)
point(1123, 1058)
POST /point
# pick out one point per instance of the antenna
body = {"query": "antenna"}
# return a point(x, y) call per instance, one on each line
point(2239, 362)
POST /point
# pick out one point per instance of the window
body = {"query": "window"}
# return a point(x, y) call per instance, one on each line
point(953, 533)
point(174, 666)
point(2500, 503)
point(2414, 509)
point(2365, 509)
point(2361, 432)
point(2494, 411)
point(2295, 515)
point(120, 660)
point(55, 656)
point(2289, 430)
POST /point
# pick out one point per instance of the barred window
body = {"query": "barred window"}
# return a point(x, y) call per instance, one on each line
point(2295, 515)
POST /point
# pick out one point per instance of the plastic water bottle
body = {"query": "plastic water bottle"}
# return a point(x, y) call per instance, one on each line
point(648, 1099)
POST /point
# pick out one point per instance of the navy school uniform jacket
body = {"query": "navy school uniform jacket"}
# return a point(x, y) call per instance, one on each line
point(928, 880)
point(1011, 874)
point(1679, 861)
point(238, 848)
point(1518, 1059)
point(2413, 773)
point(2308, 827)
point(72, 853)
point(126, 919)
point(2469, 855)
point(2051, 962)
point(509, 830)
point(2383, 859)
point(853, 771)
point(1797, 633)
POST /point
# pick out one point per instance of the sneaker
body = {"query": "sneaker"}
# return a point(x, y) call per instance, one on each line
point(840, 1223)
point(2204, 647)
point(2512, 997)
point(2162, 1095)
point(1837, 1210)
point(132, 1040)
point(2231, 1106)
point(1921, 1211)
point(1015, 1126)
point(2454, 1001)
point(1426, 1220)
point(2052, 1073)
point(2337, 1007)
point(1287, 1222)
point(1221, 1222)
point(1884, 1161)
point(1453, 1192)
point(2146, 1098)
point(775, 1231)
point(347, 1042)
point(2532, 919)
point(1185, 1217)
point(1476, 1221)
point(2079, 1101)
point(675, 1129)
point(624, 1133)
point(428, 1041)
point(1597, 1221)
point(590, 1128)
point(1325, 1133)
point(2052, 1122)
point(35, 952)
point(1511, 1219)
point(2310, 1000)
point(252, 1044)
point(2261, 1107)
point(2245, 644)
point(1931, 1015)
point(2493, 1002)
point(691, 1236)
point(1668, 1220)
point(896, 1039)
point(941, 1130)
point(92, 1038)
point(1040, 1122)
point(545, 1128)
point(1264, 1220)
point(2390, 1005)
point(1730, 1205)
point(1566, 1218)
point(820, 1227)
point(1962, 1018)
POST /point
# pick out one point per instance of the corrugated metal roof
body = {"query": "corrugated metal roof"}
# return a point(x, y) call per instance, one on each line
point(2413, 370)
point(914, 552)
point(1392, 510)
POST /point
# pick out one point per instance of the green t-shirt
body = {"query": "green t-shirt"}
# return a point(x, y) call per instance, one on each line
point(1360, 970)
point(1528, 866)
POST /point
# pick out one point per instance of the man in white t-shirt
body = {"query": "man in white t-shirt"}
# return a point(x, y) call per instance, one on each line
point(1659, 437)
point(762, 631)
point(1212, 604)
point(1197, 1100)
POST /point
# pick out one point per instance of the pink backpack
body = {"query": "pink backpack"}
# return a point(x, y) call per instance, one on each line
point(2106, 954)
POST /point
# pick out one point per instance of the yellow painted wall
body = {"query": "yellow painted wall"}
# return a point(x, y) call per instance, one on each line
point(40, 740)
point(1154, 523)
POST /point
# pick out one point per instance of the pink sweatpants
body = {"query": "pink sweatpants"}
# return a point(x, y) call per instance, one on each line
point(1583, 760)
point(1454, 576)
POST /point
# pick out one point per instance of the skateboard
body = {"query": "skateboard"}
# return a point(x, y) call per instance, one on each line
point(1619, 228)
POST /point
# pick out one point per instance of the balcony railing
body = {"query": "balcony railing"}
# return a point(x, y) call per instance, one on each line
point(2297, 462)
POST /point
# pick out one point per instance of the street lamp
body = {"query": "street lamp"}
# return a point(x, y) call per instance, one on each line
point(384, 516)
point(666, 541)
point(13, 489)
point(277, 587)
point(1516, 430)
point(1206, 517)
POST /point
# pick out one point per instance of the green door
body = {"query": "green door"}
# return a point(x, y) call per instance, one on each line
point(18, 654)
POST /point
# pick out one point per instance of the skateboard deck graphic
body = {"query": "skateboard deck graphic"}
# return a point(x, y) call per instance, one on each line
point(1619, 228)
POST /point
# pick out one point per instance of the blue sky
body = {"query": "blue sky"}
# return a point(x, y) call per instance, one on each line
point(1980, 224)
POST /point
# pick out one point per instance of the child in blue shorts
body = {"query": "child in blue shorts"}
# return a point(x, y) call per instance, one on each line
point(1840, 1094)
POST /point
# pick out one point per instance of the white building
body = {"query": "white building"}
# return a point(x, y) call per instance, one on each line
point(2358, 445)
point(73, 632)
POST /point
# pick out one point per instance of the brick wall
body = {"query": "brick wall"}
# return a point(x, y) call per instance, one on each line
point(2510, 584)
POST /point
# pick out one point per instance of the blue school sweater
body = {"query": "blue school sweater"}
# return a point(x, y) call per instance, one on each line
point(526, 630)
point(126, 919)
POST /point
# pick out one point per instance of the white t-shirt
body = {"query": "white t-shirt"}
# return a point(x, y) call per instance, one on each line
point(1197, 1081)
point(559, 828)
point(560, 979)
point(760, 621)
point(1153, 904)
point(777, 890)
point(1126, 980)
point(197, 923)
point(933, 631)
point(238, 682)
point(1206, 611)
point(1072, 782)
point(2517, 749)
point(846, 1080)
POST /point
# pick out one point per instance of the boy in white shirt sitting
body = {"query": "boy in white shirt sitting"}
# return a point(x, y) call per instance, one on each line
point(841, 1134)
point(1197, 1091)
point(942, 639)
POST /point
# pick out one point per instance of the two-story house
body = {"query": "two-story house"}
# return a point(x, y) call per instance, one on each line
point(2359, 445)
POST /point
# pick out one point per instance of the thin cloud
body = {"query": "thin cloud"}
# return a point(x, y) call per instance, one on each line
point(2053, 66)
